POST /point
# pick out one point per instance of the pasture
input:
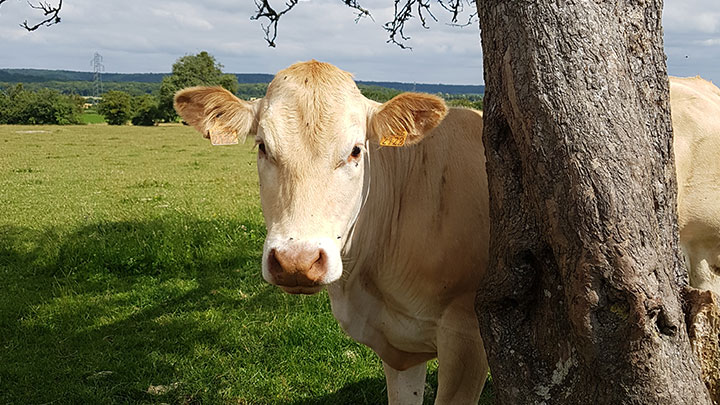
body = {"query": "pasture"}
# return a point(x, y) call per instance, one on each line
point(90, 116)
point(129, 263)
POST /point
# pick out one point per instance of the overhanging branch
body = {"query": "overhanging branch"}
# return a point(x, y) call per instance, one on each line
point(265, 10)
point(404, 11)
point(51, 13)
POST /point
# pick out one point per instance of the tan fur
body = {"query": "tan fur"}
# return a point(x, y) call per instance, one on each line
point(419, 254)
point(406, 281)
point(695, 106)
point(408, 113)
point(214, 109)
point(313, 91)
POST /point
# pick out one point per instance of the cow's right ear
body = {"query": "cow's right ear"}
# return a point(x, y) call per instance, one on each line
point(217, 113)
point(406, 119)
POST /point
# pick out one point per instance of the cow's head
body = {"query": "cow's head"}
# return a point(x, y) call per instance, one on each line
point(311, 129)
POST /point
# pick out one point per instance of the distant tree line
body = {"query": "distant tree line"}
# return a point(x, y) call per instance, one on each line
point(383, 94)
point(245, 91)
point(46, 75)
point(143, 102)
point(87, 88)
point(13, 76)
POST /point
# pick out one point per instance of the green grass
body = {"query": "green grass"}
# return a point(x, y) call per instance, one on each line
point(90, 116)
point(129, 271)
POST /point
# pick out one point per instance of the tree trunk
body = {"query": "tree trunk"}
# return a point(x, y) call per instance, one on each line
point(583, 302)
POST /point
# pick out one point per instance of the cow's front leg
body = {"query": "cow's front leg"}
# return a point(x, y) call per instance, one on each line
point(462, 363)
point(704, 264)
point(405, 387)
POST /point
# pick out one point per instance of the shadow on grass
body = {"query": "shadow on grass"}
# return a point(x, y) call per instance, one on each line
point(105, 312)
point(373, 391)
point(367, 391)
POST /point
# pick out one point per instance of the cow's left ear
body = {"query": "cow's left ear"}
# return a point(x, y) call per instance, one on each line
point(405, 119)
point(217, 113)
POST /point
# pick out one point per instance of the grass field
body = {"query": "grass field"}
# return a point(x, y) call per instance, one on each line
point(129, 264)
point(91, 116)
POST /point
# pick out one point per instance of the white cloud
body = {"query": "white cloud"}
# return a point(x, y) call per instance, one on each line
point(710, 42)
point(184, 17)
point(691, 30)
point(692, 16)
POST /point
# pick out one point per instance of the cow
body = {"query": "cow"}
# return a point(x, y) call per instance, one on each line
point(385, 205)
point(695, 109)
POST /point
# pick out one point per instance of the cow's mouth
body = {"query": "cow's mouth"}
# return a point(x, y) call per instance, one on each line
point(302, 289)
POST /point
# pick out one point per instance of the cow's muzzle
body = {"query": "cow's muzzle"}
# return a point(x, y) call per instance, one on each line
point(298, 270)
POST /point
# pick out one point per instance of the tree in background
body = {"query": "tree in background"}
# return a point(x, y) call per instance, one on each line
point(45, 106)
point(192, 70)
point(464, 102)
point(145, 110)
point(116, 107)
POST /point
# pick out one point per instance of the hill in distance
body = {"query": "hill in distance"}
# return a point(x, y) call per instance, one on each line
point(43, 75)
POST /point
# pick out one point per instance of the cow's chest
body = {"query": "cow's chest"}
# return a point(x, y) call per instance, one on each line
point(381, 321)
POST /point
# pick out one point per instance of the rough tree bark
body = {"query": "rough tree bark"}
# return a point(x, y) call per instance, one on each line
point(583, 303)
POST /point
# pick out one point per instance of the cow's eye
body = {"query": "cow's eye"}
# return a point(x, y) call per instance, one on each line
point(355, 152)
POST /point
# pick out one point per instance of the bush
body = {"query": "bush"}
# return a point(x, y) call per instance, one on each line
point(377, 93)
point(463, 102)
point(116, 107)
point(146, 111)
point(4, 107)
point(44, 106)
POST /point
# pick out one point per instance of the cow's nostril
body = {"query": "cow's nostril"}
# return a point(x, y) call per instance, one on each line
point(317, 269)
point(292, 267)
point(273, 264)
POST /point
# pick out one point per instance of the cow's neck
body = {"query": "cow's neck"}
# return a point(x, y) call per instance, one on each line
point(361, 291)
point(390, 170)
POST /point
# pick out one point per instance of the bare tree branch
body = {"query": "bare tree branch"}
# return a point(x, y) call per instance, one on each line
point(361, 12)
point(471, 19)
point(404, 11)
point(456, 7)
point(51, 13)
point(265, 10)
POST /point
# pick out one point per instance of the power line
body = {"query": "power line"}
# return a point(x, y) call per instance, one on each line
point(98, 68)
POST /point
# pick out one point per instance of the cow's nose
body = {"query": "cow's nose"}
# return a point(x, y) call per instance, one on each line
point(297, 267)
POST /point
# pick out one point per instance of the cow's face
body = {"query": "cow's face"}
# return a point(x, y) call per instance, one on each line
point(312, 131)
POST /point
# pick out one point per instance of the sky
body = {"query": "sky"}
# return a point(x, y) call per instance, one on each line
point(140, 36)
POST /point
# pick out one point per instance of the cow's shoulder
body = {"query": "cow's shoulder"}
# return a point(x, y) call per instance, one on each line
point(689, 88)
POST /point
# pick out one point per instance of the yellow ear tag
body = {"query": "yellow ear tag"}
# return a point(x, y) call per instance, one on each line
point(394, 140)
point(219, 135)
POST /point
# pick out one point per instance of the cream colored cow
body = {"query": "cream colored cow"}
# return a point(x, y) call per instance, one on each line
point(695, 106)
point(398, 235)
